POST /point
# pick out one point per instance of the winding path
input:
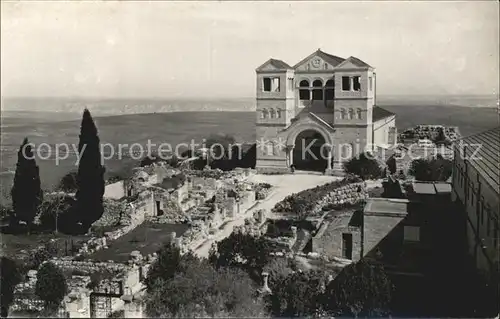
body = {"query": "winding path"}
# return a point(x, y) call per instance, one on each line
point(284, 185)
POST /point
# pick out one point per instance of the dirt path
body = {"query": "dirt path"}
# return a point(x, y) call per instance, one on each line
point(284, 185)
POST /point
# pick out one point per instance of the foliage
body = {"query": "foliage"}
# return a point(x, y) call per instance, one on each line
point(242, 250)
point(278, 269)
point(51, 285)
point(441, 138)
point(165, 266)
point(361, 289)
point(185, 286)
point(56, 206)
point(10, 276)
point(150, 159)
point(42, 254)
point(304, 202)
point(298, 294)
point(363, 166)
point(201, 291)
point(90, 177)
point(68, 183)
point(26, 192)
point(435, 169)
point(220, 145)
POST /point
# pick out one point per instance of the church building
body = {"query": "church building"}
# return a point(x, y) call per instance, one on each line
point(318, 114)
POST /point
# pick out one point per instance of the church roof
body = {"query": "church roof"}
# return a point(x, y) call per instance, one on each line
point(380, 113)
point(358, 62)
point(279, 64)
point(331, 59)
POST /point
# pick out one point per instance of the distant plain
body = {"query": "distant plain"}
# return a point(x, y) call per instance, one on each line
point(164, 122)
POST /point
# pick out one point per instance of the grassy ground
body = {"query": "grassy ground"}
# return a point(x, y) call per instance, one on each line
point(19, 246)
point(146, 238)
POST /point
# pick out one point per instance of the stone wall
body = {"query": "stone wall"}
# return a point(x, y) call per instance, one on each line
point(328, 240)
point(115, 190)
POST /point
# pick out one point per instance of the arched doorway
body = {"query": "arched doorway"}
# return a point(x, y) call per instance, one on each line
point(307, 153)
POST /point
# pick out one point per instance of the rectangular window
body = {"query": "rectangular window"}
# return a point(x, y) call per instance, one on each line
point(346, 83)
point(412, 233)
point(347, 246)
point(270, 149)
point(266, 84)
point(370, 80)
point(356, 83)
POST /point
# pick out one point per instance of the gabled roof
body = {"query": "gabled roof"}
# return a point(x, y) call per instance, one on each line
point(356, 62)
point(278, 64)
point(482, 151)
point(329, 58)
point(380, 113)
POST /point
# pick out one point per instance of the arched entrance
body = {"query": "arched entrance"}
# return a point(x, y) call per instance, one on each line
point(307, 152)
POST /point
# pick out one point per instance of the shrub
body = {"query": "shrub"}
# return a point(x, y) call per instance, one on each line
point(68, 183)
point(51, 285)
point(55, 206)
point(436, 169)
point(363, 166)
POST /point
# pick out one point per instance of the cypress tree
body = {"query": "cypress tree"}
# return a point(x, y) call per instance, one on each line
point(26, 192)
point(90, 178)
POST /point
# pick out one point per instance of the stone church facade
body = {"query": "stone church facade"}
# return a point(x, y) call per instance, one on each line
point(318, 114)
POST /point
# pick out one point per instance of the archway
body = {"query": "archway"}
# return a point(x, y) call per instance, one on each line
point(308, 153)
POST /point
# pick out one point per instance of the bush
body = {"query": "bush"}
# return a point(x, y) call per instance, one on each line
point(363, 166)
point(68, 183)
point(361, 289)
point(51, 285)
point(436, 169)
point(10, 276)
point(56, 206)
point(42, 254)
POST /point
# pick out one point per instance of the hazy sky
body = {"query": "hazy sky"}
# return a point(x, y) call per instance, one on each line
point(211, 49)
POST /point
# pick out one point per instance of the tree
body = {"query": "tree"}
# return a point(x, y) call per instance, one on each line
point(26, 192)
point(51, 286)
point(363, 166)
point(242, 250)
point(68, 182)
point(201, 291)
point(90, 179)
point(298, 294)
point(10, 276)
point(361, 289)
point(56, 213)
point(168, 263)
point(435, 169)
point(278, 269)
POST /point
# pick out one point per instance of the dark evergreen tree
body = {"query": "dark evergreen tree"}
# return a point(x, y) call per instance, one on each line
point(90, 179)
point(26, 192)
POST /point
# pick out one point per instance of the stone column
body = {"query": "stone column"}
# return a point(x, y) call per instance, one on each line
point(289, 154)
point(351, 81)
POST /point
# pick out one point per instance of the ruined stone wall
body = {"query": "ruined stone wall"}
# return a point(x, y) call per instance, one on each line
point(115, 190)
